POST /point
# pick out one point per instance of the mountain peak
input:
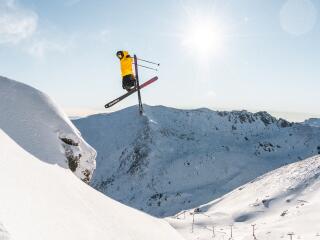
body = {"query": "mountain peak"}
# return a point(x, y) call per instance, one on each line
point(248, 117)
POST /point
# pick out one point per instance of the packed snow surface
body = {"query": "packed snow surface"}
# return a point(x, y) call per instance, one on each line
point(169, 159)
point(46, 201)
point(35, 122)
point(284, 201)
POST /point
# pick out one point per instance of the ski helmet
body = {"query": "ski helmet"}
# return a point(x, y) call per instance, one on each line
point(120, 54)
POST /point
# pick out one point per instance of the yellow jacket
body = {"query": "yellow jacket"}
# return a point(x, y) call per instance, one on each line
point(126, 64)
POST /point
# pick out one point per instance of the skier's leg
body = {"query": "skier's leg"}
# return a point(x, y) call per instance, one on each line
point(132, 81)
point(126, 82)
point(123, 83)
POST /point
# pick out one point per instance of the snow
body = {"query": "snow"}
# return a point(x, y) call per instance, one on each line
point(4, 235)
point(40, 197)
point(315, 122)
point(38, 125)
point(284, 201)
point(166, 161)
point(40, 200)
point(169, 159)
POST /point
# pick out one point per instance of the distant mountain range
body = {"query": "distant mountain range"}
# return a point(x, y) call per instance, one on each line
point(169, 160)
point(314, 122)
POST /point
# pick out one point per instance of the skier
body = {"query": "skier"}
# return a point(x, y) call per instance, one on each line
point(128, 79)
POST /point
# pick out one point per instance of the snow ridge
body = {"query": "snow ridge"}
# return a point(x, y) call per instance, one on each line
point(248, 117)
point(38, 125)
point(314, 122)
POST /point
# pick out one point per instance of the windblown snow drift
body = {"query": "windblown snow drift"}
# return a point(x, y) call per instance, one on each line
point(35, 122)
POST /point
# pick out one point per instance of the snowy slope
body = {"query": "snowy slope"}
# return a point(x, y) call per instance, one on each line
point(4, 235)
point(286, 200)
point(34, 121)
point(170, 159)
point(315, 122)
point(45, 201)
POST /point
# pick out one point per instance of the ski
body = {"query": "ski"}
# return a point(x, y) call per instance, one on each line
point(115, 101)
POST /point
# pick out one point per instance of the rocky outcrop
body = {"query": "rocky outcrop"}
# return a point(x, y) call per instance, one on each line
point(248, 117)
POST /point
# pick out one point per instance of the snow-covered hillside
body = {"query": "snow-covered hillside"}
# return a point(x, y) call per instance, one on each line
point(4, 235)
point(284, 201)
point(315, 122)
point(169, 159)
point(34, 121)
point(46, 201)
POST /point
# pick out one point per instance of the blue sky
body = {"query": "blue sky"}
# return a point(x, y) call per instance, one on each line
point(231, 54)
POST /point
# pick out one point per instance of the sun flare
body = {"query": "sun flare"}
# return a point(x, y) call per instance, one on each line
point(202, 36)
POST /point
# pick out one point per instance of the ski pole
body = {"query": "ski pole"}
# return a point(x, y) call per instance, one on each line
point(158, 64)
point(154, 69)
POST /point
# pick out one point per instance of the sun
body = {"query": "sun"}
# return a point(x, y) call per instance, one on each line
point(202, 36)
